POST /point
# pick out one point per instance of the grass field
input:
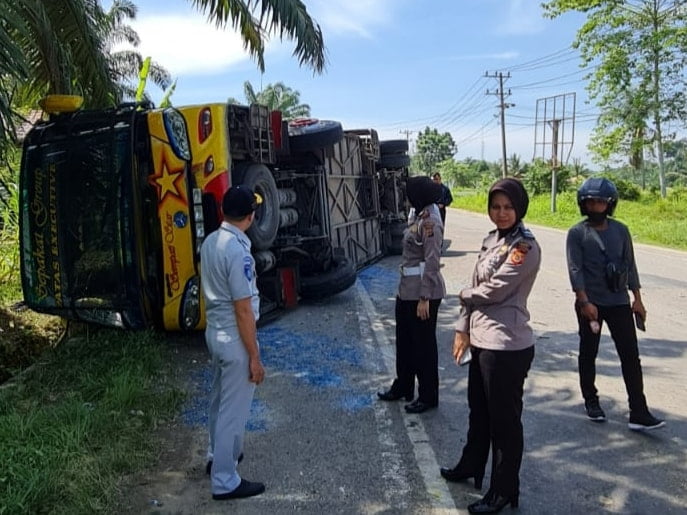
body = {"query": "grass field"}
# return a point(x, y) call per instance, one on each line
point(80, 419)
point(651, 220)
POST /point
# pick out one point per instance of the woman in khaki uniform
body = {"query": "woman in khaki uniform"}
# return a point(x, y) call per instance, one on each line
point(493, 325)
point(420, 291)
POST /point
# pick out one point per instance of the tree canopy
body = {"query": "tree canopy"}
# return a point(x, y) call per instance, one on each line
point(278, 97)
point(638, 53)
point(432, 148)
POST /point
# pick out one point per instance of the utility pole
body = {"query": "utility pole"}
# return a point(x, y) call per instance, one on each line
point(407, 132)
point(503, 106)
point(555, 125)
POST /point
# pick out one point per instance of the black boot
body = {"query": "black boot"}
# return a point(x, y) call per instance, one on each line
point(394, 394)
point(493, 503)
point(459, 474)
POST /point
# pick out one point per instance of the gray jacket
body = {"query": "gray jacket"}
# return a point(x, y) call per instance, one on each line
point(587, 262)
point(422, 242)
point(495, 307)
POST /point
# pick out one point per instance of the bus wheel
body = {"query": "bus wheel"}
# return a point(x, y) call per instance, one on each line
point(338, 278)
point(310, 134)
point(259, 178)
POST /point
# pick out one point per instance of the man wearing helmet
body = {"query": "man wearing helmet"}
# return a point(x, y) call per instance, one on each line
point(602, 269)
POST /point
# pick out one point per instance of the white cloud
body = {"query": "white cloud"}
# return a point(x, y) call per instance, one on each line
point(351, 17)
point(523, 17)
point(188, 44)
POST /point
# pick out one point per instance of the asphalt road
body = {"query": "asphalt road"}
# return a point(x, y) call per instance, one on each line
point(322, 443)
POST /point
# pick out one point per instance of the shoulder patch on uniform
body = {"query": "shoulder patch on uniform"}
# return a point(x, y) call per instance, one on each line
point(248, 268)
point(518, 253)
point(427, 225)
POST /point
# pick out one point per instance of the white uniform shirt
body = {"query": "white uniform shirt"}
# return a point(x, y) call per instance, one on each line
point(227, 274)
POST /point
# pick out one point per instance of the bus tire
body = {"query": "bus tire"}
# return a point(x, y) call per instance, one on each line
point(263, 230)
point(311, 134)
point(394, 161)
point(339, 277)
point(393, 146)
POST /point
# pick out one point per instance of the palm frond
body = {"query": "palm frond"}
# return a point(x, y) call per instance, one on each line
point(290, 18)
point(238, 14)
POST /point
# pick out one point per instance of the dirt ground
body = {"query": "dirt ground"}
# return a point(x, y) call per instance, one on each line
point(24, 335)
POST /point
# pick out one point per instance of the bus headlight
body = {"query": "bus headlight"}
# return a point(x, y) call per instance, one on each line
point(175, 126)
point(190, 304)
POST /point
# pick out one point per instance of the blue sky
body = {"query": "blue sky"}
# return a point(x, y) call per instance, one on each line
point(399, 66)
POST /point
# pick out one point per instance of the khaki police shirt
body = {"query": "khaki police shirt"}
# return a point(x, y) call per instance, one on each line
point(495, 306)
point(422, 242)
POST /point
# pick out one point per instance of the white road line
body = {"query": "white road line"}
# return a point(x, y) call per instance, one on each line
point(441, 500)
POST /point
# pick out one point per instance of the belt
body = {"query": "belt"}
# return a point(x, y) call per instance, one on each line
point(407, 271)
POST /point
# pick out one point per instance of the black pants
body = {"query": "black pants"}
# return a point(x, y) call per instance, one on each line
point(620, 321)
point(495, 389)
point(416, 351)
point(442, 212)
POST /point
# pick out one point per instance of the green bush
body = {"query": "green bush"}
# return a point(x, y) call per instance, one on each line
point(626, 189)
point(537, 178)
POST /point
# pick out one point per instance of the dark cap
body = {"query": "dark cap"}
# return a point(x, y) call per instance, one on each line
point(516, 193)
point(240, 201)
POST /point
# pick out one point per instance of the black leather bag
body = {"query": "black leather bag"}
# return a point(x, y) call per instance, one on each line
point(616, 277)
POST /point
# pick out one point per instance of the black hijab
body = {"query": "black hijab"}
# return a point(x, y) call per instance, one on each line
point(515, 191)
point(422, 191)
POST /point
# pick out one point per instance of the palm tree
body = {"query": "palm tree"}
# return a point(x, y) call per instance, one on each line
point(60, 46)
point(125, 64)
point(49, 47)
point(13, 69)
point(278, 97)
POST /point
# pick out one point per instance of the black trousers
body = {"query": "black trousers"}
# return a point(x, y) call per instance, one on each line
point(495, 389)
point(416, 351)
point(442, 213)
point(620, 321)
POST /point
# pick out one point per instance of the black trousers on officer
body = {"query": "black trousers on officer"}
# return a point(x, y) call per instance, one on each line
point(442, 213)
point(495, 389)
point(416, 351)
point(620, 321)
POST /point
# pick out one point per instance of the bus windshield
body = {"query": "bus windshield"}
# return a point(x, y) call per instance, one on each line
point(78, 242)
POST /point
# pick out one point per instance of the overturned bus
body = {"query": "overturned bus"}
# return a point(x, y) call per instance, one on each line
point(115, 204)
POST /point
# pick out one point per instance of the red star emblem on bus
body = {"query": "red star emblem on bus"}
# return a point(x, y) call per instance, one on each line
point(167, 182)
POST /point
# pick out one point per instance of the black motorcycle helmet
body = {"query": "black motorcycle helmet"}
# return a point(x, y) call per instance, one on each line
point(599, 188)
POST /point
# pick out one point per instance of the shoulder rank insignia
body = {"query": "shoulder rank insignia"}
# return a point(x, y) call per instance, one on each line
point(527, 233)
point(518, 253)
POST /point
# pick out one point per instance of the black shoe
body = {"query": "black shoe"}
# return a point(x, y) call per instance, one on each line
point(456, 475)
point(644, 422)
point(208, 465)
point(391, 395)
point(417, 406)
point(594, 411)
point(493, 503)
point(245, 489)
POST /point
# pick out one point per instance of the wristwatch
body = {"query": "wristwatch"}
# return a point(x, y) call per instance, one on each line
point(422, 297)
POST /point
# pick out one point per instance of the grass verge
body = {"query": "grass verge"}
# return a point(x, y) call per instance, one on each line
point(80, 419)
point(651, 220)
